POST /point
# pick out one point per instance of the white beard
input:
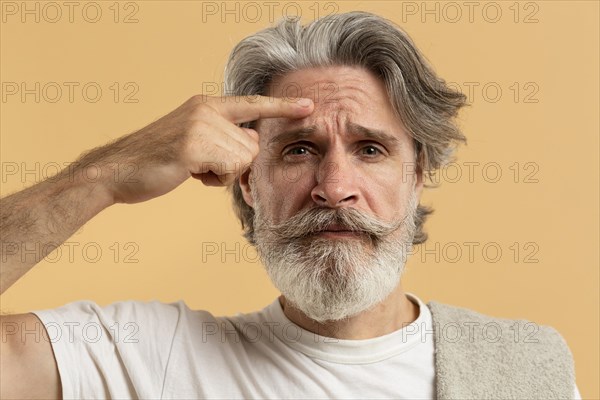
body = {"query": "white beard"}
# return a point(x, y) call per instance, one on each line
point(333, 279)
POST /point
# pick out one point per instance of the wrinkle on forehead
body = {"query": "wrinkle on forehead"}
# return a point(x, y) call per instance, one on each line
point(325, 120)
point(328, 84)
point(340, 93)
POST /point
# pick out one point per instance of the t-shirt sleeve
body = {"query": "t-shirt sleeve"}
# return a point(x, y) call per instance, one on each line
point(116, 351)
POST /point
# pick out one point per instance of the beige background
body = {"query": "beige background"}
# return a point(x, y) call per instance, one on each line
point(549, 128)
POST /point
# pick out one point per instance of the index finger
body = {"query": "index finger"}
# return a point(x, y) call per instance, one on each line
point(238, 109)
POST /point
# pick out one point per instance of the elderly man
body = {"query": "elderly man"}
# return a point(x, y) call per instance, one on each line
point(351, 106)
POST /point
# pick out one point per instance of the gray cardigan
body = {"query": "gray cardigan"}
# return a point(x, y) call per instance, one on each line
point(481, 357)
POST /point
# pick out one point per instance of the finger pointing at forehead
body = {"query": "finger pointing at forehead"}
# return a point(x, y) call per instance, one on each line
point(238, 109)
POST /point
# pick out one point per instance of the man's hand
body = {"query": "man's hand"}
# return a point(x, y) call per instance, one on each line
point(199, 139)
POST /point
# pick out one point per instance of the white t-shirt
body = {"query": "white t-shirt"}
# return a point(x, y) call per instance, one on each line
point(153, 350)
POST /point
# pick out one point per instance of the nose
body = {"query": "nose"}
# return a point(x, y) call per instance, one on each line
point(336, 181)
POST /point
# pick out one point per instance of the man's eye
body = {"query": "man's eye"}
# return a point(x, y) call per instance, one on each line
point(371, 151)
point(297, 151)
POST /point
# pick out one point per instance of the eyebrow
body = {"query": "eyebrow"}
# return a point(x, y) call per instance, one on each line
point(351, 128)
point(295, 134)
point(376, 134)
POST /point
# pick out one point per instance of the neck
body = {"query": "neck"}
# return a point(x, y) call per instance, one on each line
point(393, 313)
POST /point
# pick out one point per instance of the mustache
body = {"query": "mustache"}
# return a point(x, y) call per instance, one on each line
point(310, 221)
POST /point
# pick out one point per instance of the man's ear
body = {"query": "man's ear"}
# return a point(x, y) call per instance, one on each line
point(419, 183)
point(419, 162)
point(245, 187)
point(419, 175)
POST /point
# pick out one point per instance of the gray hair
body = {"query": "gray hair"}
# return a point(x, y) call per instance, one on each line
point(425, 104)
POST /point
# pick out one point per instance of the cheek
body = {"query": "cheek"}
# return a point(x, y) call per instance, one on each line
point(284, 190)
point(387, 189)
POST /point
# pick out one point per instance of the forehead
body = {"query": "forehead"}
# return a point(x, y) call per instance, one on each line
point(342, 94)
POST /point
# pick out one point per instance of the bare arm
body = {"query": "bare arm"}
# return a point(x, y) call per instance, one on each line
point(28, 367)
point(35, 221)
point(200, 139)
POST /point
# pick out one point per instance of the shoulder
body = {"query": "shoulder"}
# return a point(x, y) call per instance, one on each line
point(131, 310)
point(117, 322)
point(492, 329)
point(115, 350)
point(513, 358)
